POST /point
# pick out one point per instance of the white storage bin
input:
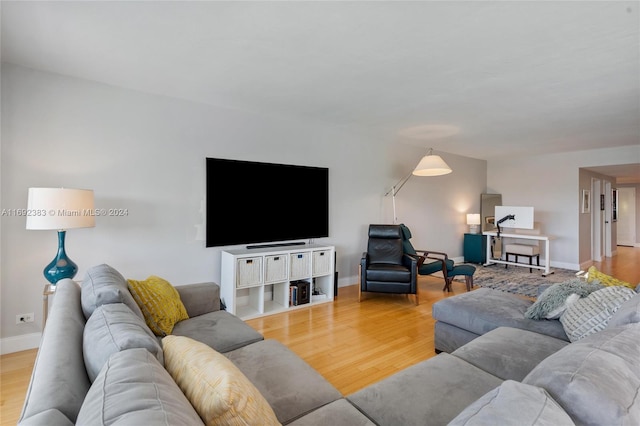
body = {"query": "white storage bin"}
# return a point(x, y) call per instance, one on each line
point(249, 272)
point(275, 268)
point(299, 265)
point(321, 262)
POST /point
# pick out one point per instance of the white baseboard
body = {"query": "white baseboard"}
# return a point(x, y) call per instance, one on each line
point(564, 265)
point(19, 343)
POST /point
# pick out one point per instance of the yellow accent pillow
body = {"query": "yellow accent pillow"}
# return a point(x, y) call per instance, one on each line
point(606, 280)
point(160, 304)
point(216, 388)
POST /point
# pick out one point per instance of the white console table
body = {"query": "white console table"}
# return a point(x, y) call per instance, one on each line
point(545, 238)
point(257, 282)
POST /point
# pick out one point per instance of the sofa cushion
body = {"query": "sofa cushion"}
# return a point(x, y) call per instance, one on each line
point(509, 353)
point(113, 328)
point(513, 403)
point(433, 391)
point(592, 313)
point(290, 385)
point(339, 413)
point(628, 313)
point(134, 389)
point(51, 417)
point(199, 299)
point(102, 284)
point(551, 303)
point(484, 309)
point(59, 379)
point(606, 280)
point(220, 330)
point(218, 391)
point(597, 379)
point(159, 302)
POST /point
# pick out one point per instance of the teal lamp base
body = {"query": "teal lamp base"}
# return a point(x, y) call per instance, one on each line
point(61, 267)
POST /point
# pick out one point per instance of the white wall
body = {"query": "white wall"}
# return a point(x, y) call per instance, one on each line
point(550, 183)
point(146, 153)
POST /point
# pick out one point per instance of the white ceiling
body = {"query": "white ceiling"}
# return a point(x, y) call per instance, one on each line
point(506, 76)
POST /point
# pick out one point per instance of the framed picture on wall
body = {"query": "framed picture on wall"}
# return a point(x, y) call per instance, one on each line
point(602, 202)
point(586, 201)
point(614, 204)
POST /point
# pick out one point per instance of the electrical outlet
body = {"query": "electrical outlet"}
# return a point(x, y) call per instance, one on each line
point(22, 318)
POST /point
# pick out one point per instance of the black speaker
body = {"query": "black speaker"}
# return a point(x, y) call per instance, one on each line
point(335, 274)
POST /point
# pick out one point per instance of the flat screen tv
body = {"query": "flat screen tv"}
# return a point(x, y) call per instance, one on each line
point(250, 202)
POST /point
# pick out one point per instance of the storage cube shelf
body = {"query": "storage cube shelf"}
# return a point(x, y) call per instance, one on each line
point(256, 282)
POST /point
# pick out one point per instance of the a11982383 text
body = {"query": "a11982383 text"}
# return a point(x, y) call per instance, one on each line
point(65, 212)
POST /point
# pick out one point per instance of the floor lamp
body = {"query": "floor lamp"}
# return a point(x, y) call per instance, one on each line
point(60, 209)
point(430, 165)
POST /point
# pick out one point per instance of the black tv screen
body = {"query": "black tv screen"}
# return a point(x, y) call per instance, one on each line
point(250, 202)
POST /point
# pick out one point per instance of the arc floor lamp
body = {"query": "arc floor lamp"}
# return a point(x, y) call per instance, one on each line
point(60, 209)
point(430, 165)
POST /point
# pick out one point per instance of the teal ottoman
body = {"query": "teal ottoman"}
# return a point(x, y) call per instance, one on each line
point(466, 270)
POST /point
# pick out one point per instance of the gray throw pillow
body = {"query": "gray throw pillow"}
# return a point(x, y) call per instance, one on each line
point(628, 313)
point(113, 328)
point(592, 314)
point(555, 297)
point(513, 403)
point(102, 285)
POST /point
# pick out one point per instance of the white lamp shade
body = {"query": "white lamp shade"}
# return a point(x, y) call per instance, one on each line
point(473, 219)
point(60, 208)
point(432, 165)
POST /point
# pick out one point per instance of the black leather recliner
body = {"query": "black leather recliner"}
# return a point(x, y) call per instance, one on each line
point(384, 267)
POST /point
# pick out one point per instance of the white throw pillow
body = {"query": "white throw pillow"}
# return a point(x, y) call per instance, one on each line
point(557, 312)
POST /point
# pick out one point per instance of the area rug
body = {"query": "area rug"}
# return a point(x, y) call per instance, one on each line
point(516, 280)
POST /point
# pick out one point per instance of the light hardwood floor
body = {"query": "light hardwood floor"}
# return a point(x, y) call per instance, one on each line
point(351, 344)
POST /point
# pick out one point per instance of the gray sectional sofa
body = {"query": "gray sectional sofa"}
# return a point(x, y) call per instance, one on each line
point(512, 372)
point(497, 367)
point(69, 386)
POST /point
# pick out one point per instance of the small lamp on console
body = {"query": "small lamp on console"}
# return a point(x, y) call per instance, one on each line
point(60, 209)
point(473, 220)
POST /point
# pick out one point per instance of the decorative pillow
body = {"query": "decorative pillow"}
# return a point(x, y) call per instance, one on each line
point(160, 304)
point(113, 328)
point(628, 313)
point(592, 313)
point(103, 284)
point(606, 280)
point(513, 403)
point(557, 312)
point(218, 391)
point(134, 389)
point(552, 302)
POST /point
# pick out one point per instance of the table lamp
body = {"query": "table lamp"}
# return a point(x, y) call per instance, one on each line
point(60, 209)
point(473, 220)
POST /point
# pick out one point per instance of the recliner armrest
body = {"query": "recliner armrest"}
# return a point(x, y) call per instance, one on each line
point(410, 261)
point(200, 298)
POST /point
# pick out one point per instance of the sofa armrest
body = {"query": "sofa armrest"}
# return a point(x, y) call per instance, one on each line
point(200, 299)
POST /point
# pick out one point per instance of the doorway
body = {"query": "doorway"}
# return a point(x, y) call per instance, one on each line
point(597, 220)
point(626, 233)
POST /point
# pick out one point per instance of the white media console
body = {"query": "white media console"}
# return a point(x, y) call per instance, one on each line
point(257, 281)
